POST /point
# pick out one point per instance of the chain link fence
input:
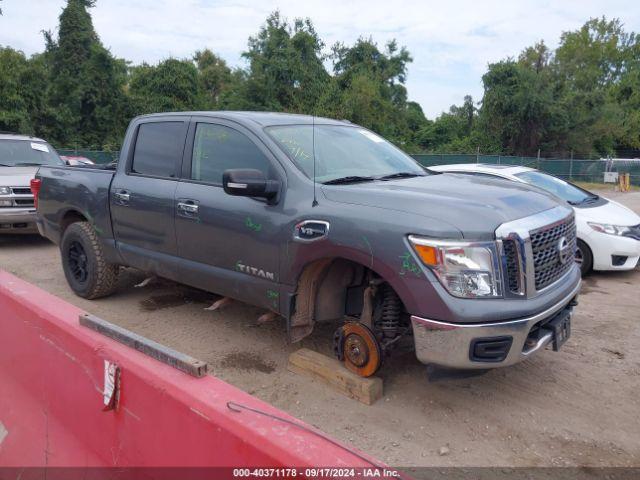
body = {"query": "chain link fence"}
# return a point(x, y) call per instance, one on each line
point(569, 169)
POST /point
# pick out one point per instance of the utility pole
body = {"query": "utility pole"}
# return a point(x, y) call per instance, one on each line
point(478, 154)
point(538, 160)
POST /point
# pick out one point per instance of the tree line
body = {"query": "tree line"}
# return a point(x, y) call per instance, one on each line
point(584, 96)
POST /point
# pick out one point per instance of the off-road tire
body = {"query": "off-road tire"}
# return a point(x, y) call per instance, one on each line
point(87, 272)
point(587, 258)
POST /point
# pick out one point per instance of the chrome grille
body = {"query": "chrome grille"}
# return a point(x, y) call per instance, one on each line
point(19, 197)
point(512, 274)
point(544, 245)
point(530, 251)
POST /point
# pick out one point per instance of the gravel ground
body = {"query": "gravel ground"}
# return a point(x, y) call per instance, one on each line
point(576, 407)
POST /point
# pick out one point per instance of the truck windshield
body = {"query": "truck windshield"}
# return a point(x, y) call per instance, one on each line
point(343, 153)
point(25, 153)
point(565, 190)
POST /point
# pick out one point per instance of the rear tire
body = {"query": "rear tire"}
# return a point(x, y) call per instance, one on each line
point(87, 272)
point(584, 258)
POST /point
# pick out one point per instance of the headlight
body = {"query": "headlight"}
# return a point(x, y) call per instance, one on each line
point(610, 229)
point(466, 269)
point(4, 191)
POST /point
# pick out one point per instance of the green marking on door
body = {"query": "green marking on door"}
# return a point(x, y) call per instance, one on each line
point(256, 227)
point(273, 296)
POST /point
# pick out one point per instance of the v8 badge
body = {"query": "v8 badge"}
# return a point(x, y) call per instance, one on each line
point(311, 230)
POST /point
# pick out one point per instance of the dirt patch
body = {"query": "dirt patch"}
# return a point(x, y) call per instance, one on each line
point(614, 353)
point(176, 299)
point(248, 362)
point(590, 285)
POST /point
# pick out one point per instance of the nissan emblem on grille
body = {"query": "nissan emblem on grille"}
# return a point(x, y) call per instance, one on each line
point(564, 251)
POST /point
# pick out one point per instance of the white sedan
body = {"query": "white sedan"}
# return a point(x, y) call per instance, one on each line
point(608, 233)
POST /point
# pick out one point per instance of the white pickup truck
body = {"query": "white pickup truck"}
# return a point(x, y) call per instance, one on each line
point(20, 158)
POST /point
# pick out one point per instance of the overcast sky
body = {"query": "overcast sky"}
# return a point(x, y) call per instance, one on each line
point(451, 41)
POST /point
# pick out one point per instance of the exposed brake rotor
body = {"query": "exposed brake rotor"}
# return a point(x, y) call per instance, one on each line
point(356, 345)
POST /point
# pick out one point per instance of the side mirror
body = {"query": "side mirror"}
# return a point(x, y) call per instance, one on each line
point(248, 182)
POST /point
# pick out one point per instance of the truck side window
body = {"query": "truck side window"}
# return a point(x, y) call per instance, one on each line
point(217, 148)
point(158, 146)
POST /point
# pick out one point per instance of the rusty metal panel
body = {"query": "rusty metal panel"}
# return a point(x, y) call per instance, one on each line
point(185, 363)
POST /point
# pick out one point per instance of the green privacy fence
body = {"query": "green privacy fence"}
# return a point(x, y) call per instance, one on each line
point(96, 156)
point(569, 169)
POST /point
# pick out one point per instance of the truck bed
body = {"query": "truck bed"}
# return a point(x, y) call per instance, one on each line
point(68, 192)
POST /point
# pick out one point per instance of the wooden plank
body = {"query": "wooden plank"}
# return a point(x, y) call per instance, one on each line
point(192, 366)
point(333, 373)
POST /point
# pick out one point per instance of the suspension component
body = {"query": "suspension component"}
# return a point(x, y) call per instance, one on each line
point(391, 311)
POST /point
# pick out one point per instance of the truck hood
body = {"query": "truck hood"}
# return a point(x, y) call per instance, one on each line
point(474, 205)
point(16, 176)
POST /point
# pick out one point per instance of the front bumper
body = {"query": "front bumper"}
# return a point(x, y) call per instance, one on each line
point(450, 344)
point(18, 220)
point(604, 247)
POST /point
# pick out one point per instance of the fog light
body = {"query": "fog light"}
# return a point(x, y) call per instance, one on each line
point(6, 203)
point(618, 260)
point(490, 349)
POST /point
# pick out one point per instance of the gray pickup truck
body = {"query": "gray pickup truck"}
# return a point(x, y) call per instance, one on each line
point(473, 272)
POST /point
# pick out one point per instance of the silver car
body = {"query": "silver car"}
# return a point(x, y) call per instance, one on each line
point(20, 158)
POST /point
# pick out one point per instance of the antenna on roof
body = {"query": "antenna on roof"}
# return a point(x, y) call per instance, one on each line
point(313, 152)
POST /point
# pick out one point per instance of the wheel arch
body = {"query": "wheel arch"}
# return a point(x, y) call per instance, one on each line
point(70, 216)
point(590, 251)
point(321, 291)
point(74, 215)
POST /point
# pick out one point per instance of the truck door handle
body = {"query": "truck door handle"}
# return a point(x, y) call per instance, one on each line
point(122, 197)
point(188, 207)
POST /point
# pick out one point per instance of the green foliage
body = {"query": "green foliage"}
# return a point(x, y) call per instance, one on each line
point(458, 131)
point(214, 75)
point(517, 106)
point(582, 97)
point(14, 111)
point(286, 71)
point(171, 86)
point(579, 98)
point(372, 89)
point(85, 98)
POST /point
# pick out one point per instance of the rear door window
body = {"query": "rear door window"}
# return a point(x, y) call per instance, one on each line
point(158, 149)
point(217, 148)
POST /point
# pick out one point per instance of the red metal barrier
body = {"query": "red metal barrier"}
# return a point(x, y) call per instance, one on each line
point(51, 404)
